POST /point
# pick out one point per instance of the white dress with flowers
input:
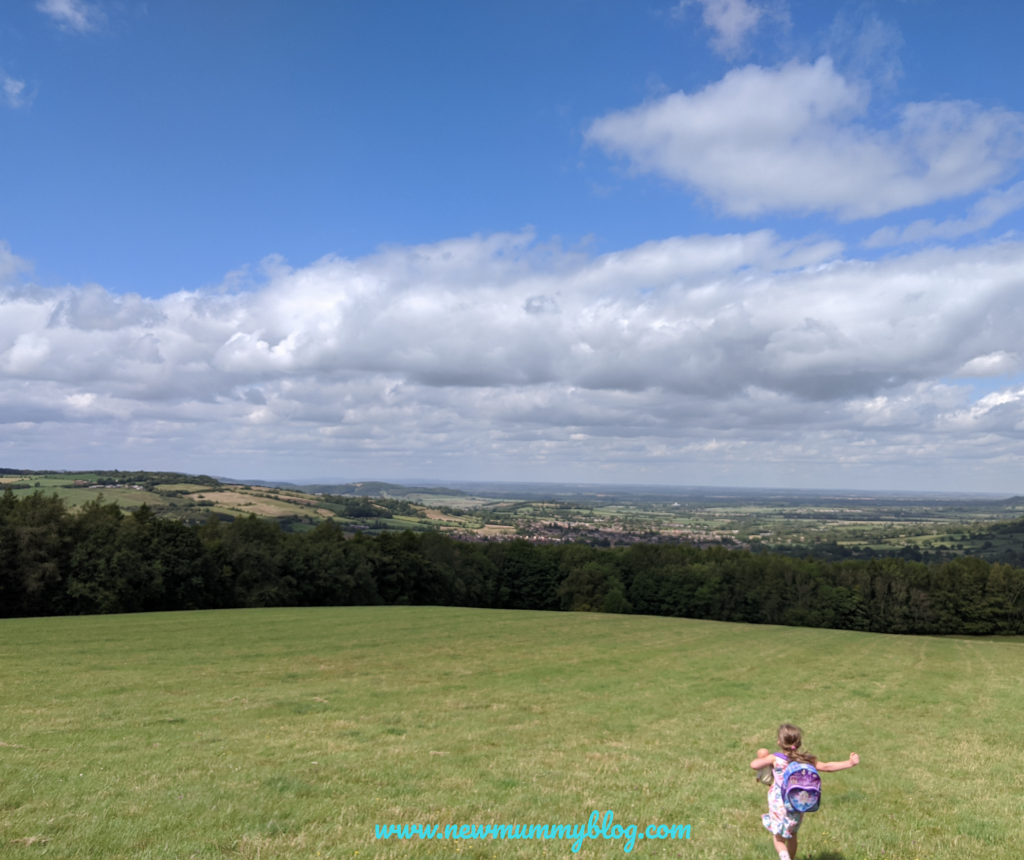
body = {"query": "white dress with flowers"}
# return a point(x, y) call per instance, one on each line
point(778, 819)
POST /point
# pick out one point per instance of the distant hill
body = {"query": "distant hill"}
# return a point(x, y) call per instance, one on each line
point(379, 489)
point(118, 477)
point(357, 488)
point(372, 489)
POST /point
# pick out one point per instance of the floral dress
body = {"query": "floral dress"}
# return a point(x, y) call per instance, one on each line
point(778, 819)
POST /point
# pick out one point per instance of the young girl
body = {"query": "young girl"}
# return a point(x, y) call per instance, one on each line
point(782, 823)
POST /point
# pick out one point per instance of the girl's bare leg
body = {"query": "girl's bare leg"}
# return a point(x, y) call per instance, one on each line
point(791, 845)
point(781, 846)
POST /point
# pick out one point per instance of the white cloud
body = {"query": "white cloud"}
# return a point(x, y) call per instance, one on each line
point(992, 364)
point(491, 356)
point(983, 214)
point(866, 47)
point(14, 94)
point(11, 265)
point(73, 15)
point(732, 21)
point(793, 139)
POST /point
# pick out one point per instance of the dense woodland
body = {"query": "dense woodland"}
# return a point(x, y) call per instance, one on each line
point(100, 559)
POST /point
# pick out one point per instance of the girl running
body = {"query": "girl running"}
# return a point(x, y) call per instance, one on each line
point(781, 822)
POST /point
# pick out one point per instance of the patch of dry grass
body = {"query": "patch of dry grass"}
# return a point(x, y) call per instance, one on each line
point(246, 503)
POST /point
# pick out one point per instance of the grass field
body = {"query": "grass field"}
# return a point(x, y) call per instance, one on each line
point(290, 733)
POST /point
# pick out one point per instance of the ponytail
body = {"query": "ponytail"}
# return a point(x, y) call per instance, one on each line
point(790, 738)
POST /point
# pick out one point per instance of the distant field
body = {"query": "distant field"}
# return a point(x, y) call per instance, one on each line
point(833, 526)
point(238, 502)
point(289, 733)
point(183, 488)
point(75, 497)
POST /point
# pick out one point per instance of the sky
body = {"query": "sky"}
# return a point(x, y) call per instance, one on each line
point(755, 243)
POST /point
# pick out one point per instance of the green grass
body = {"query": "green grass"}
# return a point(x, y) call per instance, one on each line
point(76, 497)
point(184, 488)
point(289, 733)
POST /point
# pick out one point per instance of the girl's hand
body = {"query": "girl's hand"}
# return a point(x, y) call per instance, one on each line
point(854, 759)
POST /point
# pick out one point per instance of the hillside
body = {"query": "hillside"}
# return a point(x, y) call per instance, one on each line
point(290, 733)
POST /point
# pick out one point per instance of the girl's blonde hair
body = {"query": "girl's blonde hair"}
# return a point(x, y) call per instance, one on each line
point(790, 739)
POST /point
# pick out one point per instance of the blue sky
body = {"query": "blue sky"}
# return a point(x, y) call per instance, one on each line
point(717, 242)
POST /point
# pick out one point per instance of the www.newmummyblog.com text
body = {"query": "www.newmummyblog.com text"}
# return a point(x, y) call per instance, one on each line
point(606, 829)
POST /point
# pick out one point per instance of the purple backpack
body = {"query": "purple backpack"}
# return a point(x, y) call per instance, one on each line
point(801, 786)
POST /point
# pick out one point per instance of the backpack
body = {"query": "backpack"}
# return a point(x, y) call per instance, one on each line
point(801, 786)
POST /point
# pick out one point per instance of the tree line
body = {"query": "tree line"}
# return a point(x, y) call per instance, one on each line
point(100, 559)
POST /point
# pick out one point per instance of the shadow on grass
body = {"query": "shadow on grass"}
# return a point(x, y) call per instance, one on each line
point(825, 855)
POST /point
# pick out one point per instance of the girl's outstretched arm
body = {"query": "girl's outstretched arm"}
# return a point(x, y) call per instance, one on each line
point(830, 766)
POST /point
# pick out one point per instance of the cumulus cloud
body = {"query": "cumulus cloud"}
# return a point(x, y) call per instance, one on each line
point(983, 214)
point(11, 265)
point(992, 364)
point(795, 139)
point(732, 21)
point(74, 16)
point(493, 351)
point(14, 94)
